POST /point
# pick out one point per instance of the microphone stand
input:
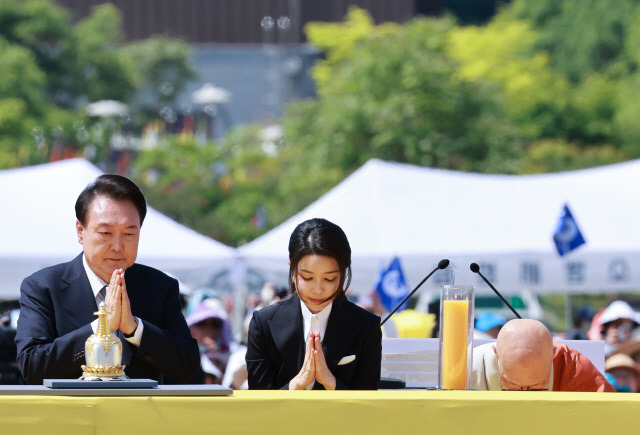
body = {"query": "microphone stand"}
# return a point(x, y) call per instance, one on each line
point(476, 269)
point(441, 265)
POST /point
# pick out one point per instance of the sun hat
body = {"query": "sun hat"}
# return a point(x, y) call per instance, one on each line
point(619, 310)
point(621, 361)
point(212, 309)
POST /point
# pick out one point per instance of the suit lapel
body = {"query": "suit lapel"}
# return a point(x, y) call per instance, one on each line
point(287, 332)
point(77, 299)
point(340, 334)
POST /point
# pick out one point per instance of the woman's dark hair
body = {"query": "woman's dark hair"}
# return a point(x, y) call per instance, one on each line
point(116, 187)
point(321, 237)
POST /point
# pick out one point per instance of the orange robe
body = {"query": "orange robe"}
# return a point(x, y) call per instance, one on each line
point(572, 371)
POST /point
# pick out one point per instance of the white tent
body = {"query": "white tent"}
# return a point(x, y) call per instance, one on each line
point(38, 229)
point(503, 223)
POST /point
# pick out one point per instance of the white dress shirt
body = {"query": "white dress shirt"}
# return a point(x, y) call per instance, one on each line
point(315, 322)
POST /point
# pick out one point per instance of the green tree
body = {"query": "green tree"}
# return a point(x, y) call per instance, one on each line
point(21, 101)
point(51, 69)
point(81, 63)
point(555, 155)
point(220, 189)
point(581, 37)
point(179, 178)
point(547, 106)
point(503, 52)
point(103, 71)
point(626, 117)
point(41, 28)
point(161, 67)
point(397, 96)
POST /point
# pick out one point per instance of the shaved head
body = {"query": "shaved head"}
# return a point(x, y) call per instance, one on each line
point(525, 350)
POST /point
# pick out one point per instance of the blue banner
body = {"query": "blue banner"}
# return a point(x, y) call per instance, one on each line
point(391, 286)
point(567, 236)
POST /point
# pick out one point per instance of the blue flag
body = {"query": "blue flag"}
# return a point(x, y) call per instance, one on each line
point(567, 236)
point(391, 286)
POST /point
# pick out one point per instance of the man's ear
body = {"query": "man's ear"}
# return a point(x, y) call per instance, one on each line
point(80, 232)
point(494, 350)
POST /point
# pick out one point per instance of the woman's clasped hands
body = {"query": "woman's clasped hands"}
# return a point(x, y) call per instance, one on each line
point(314, 367)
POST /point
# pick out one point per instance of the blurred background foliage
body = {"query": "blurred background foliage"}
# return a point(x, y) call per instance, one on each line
point(51, 69)
point(541, 86)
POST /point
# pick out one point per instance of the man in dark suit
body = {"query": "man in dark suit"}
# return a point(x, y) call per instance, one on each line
point(57, 303)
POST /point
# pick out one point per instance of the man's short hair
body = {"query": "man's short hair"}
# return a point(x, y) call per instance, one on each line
point(116, 187)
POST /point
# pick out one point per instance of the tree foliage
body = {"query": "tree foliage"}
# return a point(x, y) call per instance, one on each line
point(398, 96)
point(503, 52)
point(555, 155)
point(161, 68)
point(231, 190)
point(51, 69)
point(593, 43)
point(581, 37)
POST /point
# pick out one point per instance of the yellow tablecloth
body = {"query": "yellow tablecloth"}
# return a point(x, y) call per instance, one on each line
point(327, 412)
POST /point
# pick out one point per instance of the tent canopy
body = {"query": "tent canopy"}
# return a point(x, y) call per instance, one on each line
point(504, 223)
point(38, 229)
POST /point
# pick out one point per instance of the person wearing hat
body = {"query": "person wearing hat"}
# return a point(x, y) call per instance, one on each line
point(624, 371)
point(618, 321)
point(630, 348)
point(210, 326)
point(524, 357)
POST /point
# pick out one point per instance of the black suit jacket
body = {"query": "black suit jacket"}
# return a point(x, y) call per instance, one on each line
point(276, 346)
point(57, 307)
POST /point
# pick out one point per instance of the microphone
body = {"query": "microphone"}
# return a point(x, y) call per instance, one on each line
point(442, 264)
point(476, 269)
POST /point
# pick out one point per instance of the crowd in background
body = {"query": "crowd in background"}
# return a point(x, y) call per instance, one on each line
point(617, 325)
point(208, 315)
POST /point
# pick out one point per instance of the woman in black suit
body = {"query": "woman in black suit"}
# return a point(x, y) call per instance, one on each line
point(315, 338)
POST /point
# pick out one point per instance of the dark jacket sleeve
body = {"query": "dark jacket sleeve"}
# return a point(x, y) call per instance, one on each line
point(262, 369)
point(42, 354)
point(166, 343)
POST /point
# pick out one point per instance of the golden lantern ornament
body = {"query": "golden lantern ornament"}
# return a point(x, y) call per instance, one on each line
point(103, 352)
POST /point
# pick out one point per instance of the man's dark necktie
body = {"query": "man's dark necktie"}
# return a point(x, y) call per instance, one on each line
point(102, 294)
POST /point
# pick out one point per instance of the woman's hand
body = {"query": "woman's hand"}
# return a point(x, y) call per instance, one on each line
point(307, 372)
point(323, 375)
